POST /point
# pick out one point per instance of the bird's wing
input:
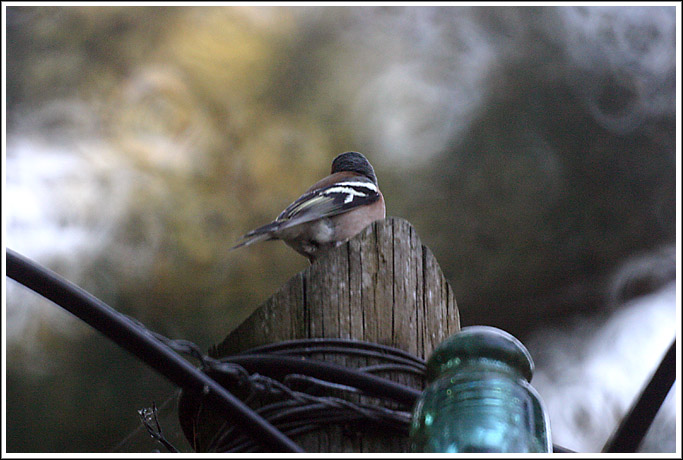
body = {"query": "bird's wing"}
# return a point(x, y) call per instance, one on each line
point(315, 204)
point(328, 201)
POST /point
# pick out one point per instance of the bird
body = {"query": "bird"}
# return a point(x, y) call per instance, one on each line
point(330, 212)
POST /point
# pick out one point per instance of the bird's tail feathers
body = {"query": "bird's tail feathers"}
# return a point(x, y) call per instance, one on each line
point(249, 240)
point(258, 234)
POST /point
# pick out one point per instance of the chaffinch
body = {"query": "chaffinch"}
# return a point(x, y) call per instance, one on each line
point(333, 210)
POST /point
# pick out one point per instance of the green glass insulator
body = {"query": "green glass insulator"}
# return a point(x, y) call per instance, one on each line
point(478, 397)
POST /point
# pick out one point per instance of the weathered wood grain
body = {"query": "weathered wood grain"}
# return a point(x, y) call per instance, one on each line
point(382, 286)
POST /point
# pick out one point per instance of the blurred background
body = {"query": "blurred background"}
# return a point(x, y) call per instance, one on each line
point(532, 148)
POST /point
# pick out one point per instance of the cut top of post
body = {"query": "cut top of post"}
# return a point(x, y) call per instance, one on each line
point(382, 286)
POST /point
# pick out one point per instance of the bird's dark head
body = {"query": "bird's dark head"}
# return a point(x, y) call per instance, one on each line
point(356, 162)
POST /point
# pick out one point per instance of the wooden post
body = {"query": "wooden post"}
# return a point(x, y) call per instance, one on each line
point(382, 286)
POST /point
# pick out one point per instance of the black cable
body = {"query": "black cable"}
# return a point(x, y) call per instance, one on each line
point(635, 425)
point(332, 345)
point(145, 346)
point(275, 366)
point(346, 351)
